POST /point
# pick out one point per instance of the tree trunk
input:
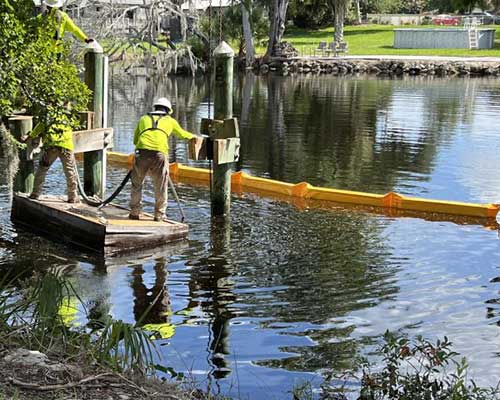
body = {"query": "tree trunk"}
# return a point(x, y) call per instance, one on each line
point(246, 100)
point(357, 12)
point(278, 20)
point(340, 9)
point(247, 32)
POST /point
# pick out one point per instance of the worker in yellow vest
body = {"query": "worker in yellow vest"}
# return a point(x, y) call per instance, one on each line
point(62, 23)
point(57, 143)
point(151, 156)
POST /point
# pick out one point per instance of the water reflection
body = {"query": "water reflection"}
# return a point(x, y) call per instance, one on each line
point(152, 306)
point(369, 134)
point(411, 135)
point(211, 287)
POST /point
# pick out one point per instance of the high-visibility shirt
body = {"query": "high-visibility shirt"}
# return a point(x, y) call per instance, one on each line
point(146, 138)
point(64, 23)
point(64, 139)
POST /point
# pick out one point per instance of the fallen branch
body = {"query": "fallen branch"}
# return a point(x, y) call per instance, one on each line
point(46, 388)
point(133, 384)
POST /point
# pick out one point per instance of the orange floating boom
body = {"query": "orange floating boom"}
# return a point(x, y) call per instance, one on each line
point(304, 190)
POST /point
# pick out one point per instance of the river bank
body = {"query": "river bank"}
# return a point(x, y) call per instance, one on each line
point(385, 65)
point(32, 375)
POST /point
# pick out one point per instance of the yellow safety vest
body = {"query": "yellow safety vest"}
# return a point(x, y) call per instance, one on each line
point(64, 23)
point(153, 130)
point(63, 139)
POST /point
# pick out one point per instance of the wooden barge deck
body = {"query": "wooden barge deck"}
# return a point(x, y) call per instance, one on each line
point(107, 231)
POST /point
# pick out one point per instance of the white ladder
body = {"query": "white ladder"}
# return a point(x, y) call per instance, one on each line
point(471, 26)
point(473, 39)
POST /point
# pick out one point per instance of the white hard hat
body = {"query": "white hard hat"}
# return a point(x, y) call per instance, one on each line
point(54, 3)
point(163, 102)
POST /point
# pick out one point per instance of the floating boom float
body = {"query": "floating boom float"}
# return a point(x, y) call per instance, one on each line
point(304, 190)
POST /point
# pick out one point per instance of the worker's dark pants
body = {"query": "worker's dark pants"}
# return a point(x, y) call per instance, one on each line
point(154, 163)
point(49, 155)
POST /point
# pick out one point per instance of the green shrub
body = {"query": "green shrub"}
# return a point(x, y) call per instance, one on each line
point(420, 370)
point(197, 47)
point(33, 75)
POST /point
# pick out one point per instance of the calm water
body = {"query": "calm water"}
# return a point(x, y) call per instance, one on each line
point(285, 295)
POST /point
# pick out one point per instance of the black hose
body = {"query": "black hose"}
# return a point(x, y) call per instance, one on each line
point(87, 199)
point(100, 204)
point(117, 191)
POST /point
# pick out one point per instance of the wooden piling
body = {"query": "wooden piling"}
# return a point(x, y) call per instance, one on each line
point(20, 126)
point(223, 108)
point(93, 161)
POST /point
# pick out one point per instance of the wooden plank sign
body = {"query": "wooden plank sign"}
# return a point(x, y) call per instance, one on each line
point(209, 127)
point(218, 129)
point(91, 140)
point(228, 130)
point(197, 148)
point(225, 138)
point(226, 150)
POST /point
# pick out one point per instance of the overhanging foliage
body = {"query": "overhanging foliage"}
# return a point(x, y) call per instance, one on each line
point(34, 77)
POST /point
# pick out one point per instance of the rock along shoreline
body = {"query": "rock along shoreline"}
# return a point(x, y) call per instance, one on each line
point(382, 66)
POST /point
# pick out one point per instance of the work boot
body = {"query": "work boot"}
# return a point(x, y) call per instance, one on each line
point(133, 216)
point(160, 217)
point(73, 200)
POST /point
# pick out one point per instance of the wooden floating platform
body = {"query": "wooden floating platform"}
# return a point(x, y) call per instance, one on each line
point(107, 231)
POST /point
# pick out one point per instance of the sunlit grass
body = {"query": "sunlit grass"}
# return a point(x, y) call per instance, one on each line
point(376, 40)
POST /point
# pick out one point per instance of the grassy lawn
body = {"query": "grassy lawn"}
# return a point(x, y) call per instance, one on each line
point(377, 40)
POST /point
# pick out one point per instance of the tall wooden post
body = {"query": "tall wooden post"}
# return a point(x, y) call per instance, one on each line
point(93, 161)
point(20, 126)
point(223, 108)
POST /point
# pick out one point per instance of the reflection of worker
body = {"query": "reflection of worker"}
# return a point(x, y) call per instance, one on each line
point(57, 143)
point(151, 156)
point(152, 301)
point(63, 23)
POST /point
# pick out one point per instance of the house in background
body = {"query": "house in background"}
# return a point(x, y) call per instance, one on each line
point(202, 6)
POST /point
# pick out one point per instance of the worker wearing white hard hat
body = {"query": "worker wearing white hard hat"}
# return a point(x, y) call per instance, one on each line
point(54, 3)
point(165, 103)
point(62, 23)
point(151, 156)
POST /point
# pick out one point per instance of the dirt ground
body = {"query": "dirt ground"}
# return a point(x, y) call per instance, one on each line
point(70, 381)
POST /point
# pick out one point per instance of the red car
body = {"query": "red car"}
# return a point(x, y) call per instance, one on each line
point(446, 20)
